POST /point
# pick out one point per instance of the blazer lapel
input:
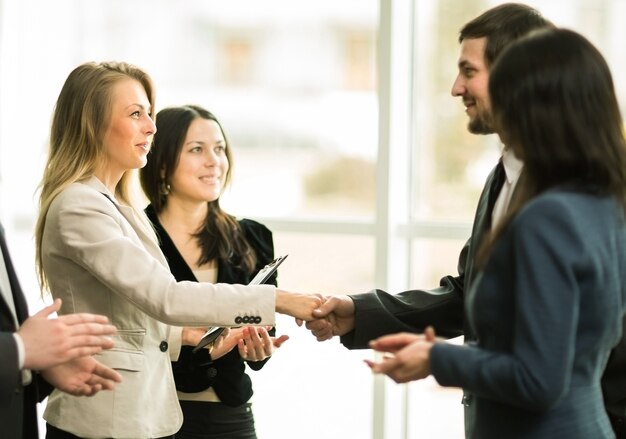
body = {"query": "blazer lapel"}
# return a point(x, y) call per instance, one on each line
point(145, 235)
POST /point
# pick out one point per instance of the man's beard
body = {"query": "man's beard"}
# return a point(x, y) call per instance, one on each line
point(481, 124)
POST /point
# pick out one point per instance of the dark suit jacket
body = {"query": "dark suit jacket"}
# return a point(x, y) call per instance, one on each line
point(546, 311)
point(197, 372)
point(378, 313)
point(18, 412)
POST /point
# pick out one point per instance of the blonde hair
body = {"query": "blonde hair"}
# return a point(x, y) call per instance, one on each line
point(79, 122)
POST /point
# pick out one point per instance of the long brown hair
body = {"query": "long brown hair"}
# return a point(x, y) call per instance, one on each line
point(555, 107)
point(220, 236)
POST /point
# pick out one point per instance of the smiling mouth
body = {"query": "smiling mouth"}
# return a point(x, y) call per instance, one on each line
point(214, 179)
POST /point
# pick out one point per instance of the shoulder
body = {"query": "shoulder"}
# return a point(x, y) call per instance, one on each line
point(559, 207)
point(567, 219)
point(255, 230)
point(80, 196)
point(259, 237)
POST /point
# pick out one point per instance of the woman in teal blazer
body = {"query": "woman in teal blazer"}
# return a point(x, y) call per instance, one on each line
point(548, 304)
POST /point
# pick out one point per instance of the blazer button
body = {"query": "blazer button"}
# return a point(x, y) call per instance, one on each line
point(257, 320)
point(163, 346)
point(238, 320)
point(246, 319)
point(211, 372)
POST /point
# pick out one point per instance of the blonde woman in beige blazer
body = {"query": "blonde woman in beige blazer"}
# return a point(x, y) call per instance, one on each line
point(97, 251)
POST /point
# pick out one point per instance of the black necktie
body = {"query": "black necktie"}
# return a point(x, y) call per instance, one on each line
point(497, 181)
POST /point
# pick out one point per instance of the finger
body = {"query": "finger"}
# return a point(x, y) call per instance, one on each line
point(50, 309)
point(315, 325)
point(94, 389)
point(106, 373)
point(430, 334)
point(326, 308)
point(394, 342)
point(324, 335)
point(299, 322)
point(82, 390)
point(92, 329)
point(266, 342)
point(386, 366)
point(89, 341)
point(83, 318)
point(77, 352)
point(277, 342)
point(258, 345)
point(241, 346)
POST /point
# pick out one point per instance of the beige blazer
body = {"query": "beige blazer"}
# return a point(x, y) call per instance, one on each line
point(100, 257)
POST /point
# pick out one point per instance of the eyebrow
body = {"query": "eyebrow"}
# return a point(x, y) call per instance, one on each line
point(143, 107)
point(219, 142)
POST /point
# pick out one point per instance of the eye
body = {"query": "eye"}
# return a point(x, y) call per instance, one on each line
point(196, 149)
point(468, 72)
point(135, 114)
point(220, 149)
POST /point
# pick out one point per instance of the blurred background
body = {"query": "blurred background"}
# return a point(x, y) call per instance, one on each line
point(346, 142)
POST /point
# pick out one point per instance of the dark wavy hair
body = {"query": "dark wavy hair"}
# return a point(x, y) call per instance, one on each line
point(220, 237)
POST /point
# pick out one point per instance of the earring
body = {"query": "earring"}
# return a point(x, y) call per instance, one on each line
point(164, 188)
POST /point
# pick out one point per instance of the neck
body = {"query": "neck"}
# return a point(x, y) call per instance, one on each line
point(183, 216)
point(109, 178)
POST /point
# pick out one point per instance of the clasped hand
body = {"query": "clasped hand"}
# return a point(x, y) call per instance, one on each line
point(406, 356)
point(253, 342)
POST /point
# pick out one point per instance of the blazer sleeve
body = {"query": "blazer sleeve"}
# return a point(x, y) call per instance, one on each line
point(379, 313)
point(9, 371)
point(84, 226)
point(535, 371)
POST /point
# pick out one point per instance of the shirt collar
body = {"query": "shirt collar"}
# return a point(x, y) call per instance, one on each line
point(512, 166)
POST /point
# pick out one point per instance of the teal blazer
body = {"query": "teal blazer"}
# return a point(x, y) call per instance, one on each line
point(546, 312)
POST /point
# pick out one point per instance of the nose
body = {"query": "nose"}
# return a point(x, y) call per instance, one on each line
point(458, 87)
point(150, 127)
point(210, 158)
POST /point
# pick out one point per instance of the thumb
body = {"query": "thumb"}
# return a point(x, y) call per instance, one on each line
point(326, 308)
point(429, 332)
point(50, 309)
point(280, 340)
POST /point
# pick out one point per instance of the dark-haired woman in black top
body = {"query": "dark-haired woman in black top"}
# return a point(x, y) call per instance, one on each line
point(187, 169)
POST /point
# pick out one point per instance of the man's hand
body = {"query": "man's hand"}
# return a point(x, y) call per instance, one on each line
point(334, 317)
point(50, 342)
point(83, 376)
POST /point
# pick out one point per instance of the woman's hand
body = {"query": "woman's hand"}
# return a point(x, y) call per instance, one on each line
point(226, 342)
point(257, 345)
point(298, 305)
point(407, 356)
point(192, 336)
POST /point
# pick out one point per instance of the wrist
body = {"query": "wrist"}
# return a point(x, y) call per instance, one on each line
point(280, 301)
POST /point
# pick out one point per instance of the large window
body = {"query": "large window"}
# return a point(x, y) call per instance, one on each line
point(347, 144)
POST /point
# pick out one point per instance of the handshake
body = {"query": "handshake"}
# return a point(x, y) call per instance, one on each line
point(325, 317)
point(406, 355)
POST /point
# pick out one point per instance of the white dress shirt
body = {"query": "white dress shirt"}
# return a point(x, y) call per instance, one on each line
point(512, 168)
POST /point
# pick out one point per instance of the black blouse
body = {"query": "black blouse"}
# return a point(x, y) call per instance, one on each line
point(195, 372)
